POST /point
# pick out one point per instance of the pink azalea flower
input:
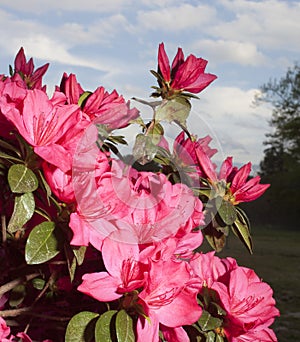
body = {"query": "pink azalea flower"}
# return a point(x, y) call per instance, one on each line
point(184, 75)
point(134, 207)
point(184, 150)
point(4, 331)
point(263, 335)
point(12, 94)
point(43, 123)
point(234, 182)
point(248, 302)
point(210, 268)
point(174, 334)
point(101, 107)
point(25, 338)
point(32, 78)
point(60, 182)
point(164, 289)
point(170, 294)
point(148, 207)
point(124, 272)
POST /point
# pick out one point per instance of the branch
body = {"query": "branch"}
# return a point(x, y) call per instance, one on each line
point(9, 286)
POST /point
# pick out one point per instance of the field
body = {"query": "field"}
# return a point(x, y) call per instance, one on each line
point(276, 259)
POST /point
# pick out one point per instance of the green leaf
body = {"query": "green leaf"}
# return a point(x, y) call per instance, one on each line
point(124, 327)
point(226, 211)
point(156, 132)
point(211, 336)
point(176, 110)
point(103, 331)
point(144, 150)
point(79, 328)
point(71, 261)
point(43, 243)
point(38, 283)
point(208, 322)
point(83, 98)
point(79, 253)
point(23, 210)
point(17, 295)
point(45, 185)
point(241, 228)
point(21, 179)
point(219, 338)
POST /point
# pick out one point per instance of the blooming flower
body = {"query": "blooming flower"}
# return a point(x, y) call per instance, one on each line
point(210, 268)
point(32, 79)
point(184, 150)
point(100, 106)
point(4, 331)
point(248, 302)
point(232, 182)
point(43, 123)
point(163, 289)
point(125, 272)
point(184, 75)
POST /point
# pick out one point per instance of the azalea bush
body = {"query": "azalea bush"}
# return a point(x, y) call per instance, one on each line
point(98, 245)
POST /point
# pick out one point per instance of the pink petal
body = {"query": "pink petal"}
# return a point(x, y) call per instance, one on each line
point(163, 63)
point(100, 286)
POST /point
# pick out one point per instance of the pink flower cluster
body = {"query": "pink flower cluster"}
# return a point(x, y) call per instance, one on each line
point(146, 227)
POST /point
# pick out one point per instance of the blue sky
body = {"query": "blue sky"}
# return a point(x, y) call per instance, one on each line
point(114, 44)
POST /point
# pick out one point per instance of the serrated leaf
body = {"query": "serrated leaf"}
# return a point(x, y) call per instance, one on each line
point(79, 328)
point(124, 327)
point(176, 110)
point(103, 331)
point(23, 210)
point(208, 322)
point(42, 244)
point(226, 211)
point(241, 228)
point(21, 179)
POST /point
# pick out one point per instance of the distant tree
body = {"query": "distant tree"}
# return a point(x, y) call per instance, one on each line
point(281, 163)
point(283, 144)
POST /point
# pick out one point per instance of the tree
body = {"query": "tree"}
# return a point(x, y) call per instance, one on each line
point(283, 151)
point(281, 163)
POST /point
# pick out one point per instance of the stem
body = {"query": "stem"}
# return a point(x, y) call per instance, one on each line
point(152, 104)
point(9, 286)
point(3, 226)
point(14, 312)
point(51, 278)
point(27, 311)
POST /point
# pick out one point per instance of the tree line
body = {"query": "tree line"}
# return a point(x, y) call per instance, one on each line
point(281, 162)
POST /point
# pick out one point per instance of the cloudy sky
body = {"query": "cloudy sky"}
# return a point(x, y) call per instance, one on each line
point(114, 44)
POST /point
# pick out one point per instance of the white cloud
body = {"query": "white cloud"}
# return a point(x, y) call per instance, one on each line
point(238, 127)
point(176, 18)
point(222, 51)
point(38, 6)
point(270, 24)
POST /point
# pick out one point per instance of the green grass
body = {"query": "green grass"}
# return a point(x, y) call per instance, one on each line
point(276, 259)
